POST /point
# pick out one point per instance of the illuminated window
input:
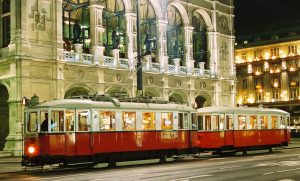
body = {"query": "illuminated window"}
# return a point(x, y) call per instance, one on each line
point(83, 120)
point(282, 122)
point(294, 93)
point(207, 123)
point(245, 84)
point(257, 54)
point(148, 120)
point(107, 120)
point(32, 124)
point(253, 122)
point(167, 121)
point(264, 122)
point(276, 94)
point(244, 56)
point(275, 52)
point(183, 121)
point(274, 120)
point(57, 121)
point(292, 50)
point(241, 121)
point(70, 120)
point(215, 122)
point(229, 122)
point(129, 120)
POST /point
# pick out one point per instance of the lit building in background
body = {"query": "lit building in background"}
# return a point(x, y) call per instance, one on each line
point(64, 48)
point(267, 67)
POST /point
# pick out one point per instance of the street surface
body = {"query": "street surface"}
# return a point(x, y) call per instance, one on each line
point(281, 165)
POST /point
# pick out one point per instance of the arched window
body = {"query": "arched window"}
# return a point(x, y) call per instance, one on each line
point(175, 35)
point(148, 28)
point(5, 23)
point(200, 41)
point(76, 24)
point(115, 27)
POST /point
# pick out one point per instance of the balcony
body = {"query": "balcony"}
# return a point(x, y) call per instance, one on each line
point(148, 66)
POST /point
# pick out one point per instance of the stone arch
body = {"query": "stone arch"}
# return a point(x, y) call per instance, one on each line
point(4, 115)
point(203, 101)
point(128, 5)
point(152, 93)
point(77, 91)
point(177, 97)
point(182, 11)
point(206, 18)
point(112, 90)
point(157, 8)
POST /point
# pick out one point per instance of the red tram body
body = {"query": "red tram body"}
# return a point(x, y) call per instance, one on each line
point(79, 131)
point(242, 128)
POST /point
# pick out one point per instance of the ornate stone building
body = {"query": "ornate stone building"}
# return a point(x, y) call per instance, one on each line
point(62, 48)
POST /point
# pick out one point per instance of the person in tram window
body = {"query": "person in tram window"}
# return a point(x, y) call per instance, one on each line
point(44, 126)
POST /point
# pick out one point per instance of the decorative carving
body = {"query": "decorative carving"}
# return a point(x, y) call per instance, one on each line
point(223, 23)
point(150, 80)
point(118, 77)
point(178, 82)
point(40, 22)
point(224, 50)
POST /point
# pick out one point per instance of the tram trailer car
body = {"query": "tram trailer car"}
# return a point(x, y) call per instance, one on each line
point(80, 131)
point(242, 128)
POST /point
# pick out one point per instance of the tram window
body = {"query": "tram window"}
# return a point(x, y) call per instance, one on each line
point(180, 121)
point(274, 120)
point(282, 122)
point(215, 122)
point(229, 122)
point(253, 122)
point(57, 121)
point(107, 120)
point(207, 122)
point(194, 123)
point(264, 122)
point(166, 120)
point(222, 120)
point(148, 120)
point(200, 123)
point(44, 119)
point(128, 120)
point(83, 120)
point(70, 119)
point(186, 120)
point(242, 121)
point(32, 124)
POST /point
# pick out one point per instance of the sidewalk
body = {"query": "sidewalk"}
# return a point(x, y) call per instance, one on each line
point(13, 164)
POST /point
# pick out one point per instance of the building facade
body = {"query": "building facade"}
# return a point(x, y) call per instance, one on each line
point(63, 48)
point(267, 67)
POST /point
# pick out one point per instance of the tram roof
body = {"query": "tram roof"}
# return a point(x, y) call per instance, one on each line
point(87, 103)
point(245, 110)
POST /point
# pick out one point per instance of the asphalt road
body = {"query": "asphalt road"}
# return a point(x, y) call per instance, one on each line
point(281, 165)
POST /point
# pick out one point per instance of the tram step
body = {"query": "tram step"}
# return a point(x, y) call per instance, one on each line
point(5, 154)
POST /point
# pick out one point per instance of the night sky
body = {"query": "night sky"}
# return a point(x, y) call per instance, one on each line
point(262, 15)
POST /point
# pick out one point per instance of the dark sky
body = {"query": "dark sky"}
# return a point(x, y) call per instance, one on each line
point(250, 14)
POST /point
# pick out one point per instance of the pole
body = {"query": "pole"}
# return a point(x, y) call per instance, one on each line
point(139, 72)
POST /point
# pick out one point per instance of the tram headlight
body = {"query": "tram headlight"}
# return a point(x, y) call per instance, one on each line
point(31, 150)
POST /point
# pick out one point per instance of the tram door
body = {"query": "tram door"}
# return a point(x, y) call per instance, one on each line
point(83, 144)
point(229, 126)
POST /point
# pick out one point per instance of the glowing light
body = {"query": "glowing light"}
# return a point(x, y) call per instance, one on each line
point(31, 149)
point(267, 55)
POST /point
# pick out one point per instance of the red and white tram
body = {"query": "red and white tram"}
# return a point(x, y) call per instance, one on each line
point(83, 130)
point(78, 131)
point(242, 128)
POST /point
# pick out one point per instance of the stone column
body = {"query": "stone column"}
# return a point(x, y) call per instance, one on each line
point(190, 67)
point(161, 43)
point(130, 19)
point(188, 45)
point(97, 30)
point(14, 139)
point(212, 43)
point(78, 51)
point(116, 56)
point(177, 64)
point(148, 61)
